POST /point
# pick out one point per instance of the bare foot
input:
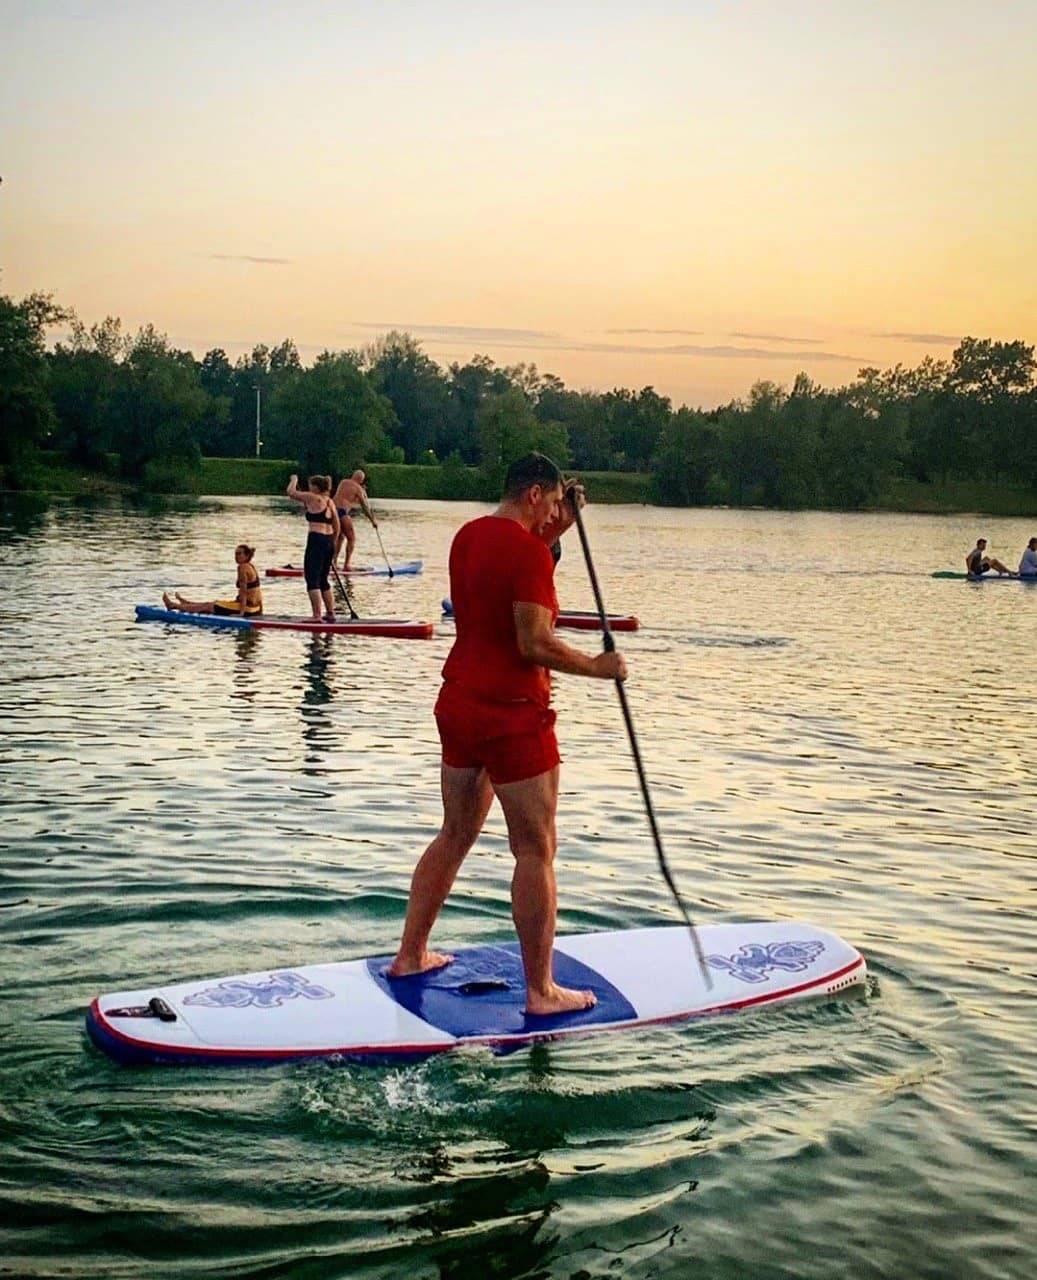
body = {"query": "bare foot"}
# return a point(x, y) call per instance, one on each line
point(558, 999)
point(168, 602)
point(430, 960)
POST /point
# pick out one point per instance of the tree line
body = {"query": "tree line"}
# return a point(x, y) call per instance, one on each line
point(99, 394)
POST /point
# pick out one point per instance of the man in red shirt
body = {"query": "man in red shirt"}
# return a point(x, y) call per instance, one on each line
point(496, 725)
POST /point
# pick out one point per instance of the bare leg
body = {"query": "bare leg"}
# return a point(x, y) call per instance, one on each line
point(315, 604)
point(467, 796)
point(329, 605)
point(1001, 568)
point(349, 535)
point(180, 605)
point(529, 809)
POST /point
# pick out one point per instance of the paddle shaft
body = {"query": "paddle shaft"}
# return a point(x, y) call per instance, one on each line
point(352, 612)
point(378, 535)
point(609, 644)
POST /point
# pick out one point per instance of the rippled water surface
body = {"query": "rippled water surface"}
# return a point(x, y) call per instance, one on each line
point(831, 734)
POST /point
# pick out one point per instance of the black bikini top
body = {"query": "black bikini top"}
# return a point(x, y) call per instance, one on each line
point(319, 517)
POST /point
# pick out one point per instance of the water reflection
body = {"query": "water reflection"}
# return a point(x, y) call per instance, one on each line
point(22, 514)
point(317, 729)
point(246, 651)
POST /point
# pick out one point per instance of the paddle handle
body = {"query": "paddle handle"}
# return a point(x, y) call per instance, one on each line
point(609, 644)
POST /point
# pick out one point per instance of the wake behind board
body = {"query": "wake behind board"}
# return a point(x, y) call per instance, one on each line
point(578, 618)
point(357, 571)
point(351, 1010)
point(400, 628)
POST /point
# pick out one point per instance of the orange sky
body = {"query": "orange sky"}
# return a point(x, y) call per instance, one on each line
point(688, 195)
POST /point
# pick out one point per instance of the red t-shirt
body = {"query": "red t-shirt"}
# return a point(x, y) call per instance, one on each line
point(494, 562)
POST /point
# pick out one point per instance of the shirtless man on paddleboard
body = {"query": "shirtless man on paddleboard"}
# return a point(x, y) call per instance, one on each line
point(350, 493)
point(496, 725)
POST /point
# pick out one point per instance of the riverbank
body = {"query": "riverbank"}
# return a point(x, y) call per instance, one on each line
point(230, 477)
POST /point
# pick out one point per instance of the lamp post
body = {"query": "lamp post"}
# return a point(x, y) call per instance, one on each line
point(259, 443)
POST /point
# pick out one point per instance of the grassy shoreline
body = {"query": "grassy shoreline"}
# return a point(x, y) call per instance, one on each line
point(241, 477)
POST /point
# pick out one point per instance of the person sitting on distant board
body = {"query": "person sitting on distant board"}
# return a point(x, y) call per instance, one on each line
point(1028, 564)
point(977, 562)
point(249, 600)
point(350, 493)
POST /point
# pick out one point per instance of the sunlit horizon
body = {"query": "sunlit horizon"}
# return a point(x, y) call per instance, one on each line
point(688, 198)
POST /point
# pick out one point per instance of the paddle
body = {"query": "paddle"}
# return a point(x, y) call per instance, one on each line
point(354, 616)
point(610, 647)
point(378, 535)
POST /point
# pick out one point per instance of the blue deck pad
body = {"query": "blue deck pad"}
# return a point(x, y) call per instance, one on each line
point(482, 993)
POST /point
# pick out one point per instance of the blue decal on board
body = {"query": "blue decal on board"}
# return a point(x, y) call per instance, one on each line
point(482, 991)
point(754, 961)
point(258, 995)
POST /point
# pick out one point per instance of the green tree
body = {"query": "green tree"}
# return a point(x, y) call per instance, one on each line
point(157, 407)
point(416, 388)
point(84, 374)
point(470, 384)
point(686, 460)
point(26, 412)
point(508, 428)
point(338, 419)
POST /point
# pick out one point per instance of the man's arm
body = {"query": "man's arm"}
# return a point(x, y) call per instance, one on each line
point(364, 506)
point(537, 642)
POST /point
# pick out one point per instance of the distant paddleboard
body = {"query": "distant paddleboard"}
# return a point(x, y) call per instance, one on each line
point(400, 628)
point(987, 577)
point(578, 619)
point(353, 1011)
point(356, 571)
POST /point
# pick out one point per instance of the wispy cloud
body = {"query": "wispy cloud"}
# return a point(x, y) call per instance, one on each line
point(665, 333)
point(457, 337)
point(769, 337)
point(942, 339)
point(720, 352)
point(248, 257)
point(474, 333)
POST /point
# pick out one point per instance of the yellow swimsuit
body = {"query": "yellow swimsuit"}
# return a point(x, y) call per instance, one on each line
point(253, 602)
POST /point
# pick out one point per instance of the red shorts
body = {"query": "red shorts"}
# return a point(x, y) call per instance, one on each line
point(510, 740)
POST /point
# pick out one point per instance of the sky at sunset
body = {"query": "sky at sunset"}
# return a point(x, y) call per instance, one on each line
point(690, 195)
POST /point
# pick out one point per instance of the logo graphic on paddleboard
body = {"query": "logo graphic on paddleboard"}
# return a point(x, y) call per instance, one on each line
point(754, 961)
point(258, 995)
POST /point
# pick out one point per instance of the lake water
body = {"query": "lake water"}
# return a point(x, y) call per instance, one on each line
point(831, 735)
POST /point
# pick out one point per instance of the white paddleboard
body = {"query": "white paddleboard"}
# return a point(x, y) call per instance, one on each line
point(352, 1010)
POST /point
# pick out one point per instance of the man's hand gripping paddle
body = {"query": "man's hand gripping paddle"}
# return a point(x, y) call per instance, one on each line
point(609, 645)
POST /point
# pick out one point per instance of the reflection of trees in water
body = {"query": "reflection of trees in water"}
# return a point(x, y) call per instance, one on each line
point(22, 514)
point(317, 730)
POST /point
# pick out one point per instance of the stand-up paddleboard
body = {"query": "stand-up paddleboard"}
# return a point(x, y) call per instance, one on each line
point(578, 619)
point(356, 571)
point(987, 577)
point(352, 1010)
point(401, 628)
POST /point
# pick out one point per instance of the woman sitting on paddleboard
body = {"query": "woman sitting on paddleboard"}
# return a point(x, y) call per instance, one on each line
point(323, 522)
point(249, 600)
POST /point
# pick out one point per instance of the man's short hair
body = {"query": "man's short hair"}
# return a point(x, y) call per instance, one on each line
point(534, 468)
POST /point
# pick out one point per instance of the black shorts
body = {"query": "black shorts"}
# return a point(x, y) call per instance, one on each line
point(320, 548)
